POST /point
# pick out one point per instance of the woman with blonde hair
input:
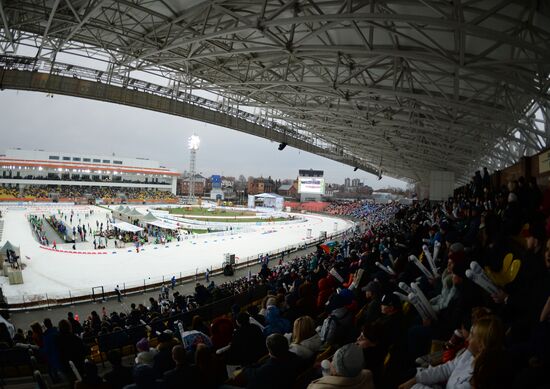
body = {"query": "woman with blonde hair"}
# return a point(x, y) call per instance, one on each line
point(305, 341)
point(486, 339)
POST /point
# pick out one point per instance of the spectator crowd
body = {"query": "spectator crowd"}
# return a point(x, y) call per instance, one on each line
point(91, 192)
point(455, 294)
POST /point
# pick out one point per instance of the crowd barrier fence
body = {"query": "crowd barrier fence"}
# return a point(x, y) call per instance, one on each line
point(72, 296)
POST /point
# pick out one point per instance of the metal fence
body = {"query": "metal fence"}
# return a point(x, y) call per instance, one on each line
point(71, 296)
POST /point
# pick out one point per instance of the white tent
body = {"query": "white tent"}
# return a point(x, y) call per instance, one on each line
point(270, 200)
point(134, 212)
point(126, 227)
point(267, 196)
point(161, 224)
point(149, 217)
point(8, 246)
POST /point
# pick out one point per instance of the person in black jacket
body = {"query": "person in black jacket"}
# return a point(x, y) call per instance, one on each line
point(121, 375)
point(71, 348)
point(373, 353)
point(76, 326)
point(163, 360)
point(49, 348)
point(182, 373)
point(247, 344)
point(280, 370)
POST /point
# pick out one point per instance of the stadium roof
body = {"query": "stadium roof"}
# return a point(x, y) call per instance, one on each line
point(399, 87)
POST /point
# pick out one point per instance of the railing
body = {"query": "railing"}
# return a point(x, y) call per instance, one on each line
point(47, 300)
point(239, 225)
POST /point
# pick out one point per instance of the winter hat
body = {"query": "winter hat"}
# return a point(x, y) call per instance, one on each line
point(142, 344)
point(145, 358)
point(346, 294)
point(373, 286)
point(335, 301)
point(348, 360)
point(456, 247)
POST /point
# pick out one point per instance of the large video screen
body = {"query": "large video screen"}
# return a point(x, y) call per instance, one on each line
point(315, 185)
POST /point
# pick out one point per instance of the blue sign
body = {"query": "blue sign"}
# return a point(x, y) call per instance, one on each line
point(216, 181)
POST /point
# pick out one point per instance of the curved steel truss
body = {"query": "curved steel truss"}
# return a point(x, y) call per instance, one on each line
point(403, 86)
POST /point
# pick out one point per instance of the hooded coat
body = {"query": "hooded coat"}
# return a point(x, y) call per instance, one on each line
point(307, 348)
point(275, 324)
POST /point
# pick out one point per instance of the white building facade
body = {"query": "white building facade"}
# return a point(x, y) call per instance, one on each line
point(22, 168)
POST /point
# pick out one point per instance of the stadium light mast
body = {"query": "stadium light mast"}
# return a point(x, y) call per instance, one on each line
point(193, 144)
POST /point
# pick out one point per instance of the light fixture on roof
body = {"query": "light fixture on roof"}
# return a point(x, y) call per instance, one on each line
point(193, 142)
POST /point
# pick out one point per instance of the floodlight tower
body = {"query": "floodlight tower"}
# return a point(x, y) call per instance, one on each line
point(193, 143)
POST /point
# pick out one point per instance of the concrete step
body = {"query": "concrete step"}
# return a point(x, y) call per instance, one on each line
point(28, 382)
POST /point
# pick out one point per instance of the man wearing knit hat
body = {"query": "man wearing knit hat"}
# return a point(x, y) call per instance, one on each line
point(346, 371)
point(371, 310)
point(145, 354)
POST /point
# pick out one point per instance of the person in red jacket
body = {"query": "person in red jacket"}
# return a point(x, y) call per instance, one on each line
point(325, 290)
point(222, 332)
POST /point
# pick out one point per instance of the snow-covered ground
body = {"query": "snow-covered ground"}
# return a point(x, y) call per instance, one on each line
point(61, 273)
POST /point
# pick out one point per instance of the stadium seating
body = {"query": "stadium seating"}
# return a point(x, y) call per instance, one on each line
point(77, 193)
point(398, 310)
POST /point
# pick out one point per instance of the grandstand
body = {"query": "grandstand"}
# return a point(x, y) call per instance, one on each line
point(450, 292)
point(49, 176)
point(351, 312)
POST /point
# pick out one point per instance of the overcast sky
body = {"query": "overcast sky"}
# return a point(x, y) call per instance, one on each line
point(31, 120)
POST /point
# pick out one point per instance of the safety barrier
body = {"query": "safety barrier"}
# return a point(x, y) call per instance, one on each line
point(37, 301)
point(196, 222)
point(73, 251)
